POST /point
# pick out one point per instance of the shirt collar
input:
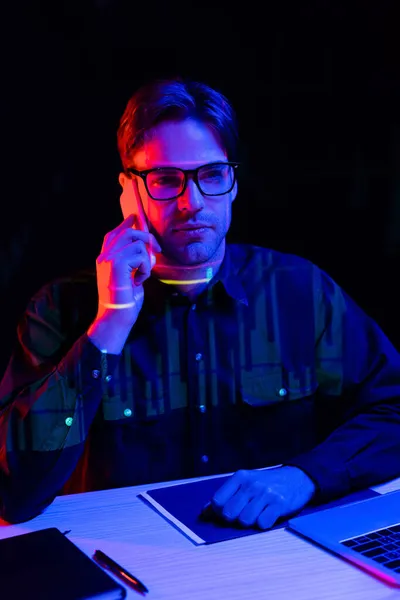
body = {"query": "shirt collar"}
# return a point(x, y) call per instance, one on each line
point(227, 276)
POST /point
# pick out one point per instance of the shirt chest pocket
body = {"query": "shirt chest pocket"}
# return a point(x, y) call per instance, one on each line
point(274, 386)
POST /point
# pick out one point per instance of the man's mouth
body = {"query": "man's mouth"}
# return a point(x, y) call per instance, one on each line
point(192, 227)
point(192, 232)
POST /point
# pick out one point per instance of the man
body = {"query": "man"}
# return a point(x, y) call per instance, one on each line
point(184, 356)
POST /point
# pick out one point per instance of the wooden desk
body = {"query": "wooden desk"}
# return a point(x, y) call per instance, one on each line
point(275, 565)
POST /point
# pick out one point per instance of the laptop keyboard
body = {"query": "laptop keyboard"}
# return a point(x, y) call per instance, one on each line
point(382, 545)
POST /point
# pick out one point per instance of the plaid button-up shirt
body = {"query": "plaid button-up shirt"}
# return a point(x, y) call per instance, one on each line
point(272, 364)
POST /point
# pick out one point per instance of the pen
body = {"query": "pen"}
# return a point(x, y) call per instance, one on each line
point(108, 563)
point(207, 511)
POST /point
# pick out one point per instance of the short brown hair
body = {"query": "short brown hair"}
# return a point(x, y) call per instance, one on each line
point(175, 99)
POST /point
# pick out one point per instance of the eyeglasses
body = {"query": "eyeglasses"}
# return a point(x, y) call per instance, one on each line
point(167, 183)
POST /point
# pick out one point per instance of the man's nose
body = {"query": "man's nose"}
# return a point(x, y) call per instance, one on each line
point(192, 199)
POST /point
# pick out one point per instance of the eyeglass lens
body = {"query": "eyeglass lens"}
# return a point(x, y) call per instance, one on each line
point(167, 183)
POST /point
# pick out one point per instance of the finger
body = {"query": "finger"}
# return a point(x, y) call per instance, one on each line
point(136, 259)
point(132, 235)
point(124, 253)
point(247, 492)
point(126, 224)
point(143, 271)
point(253, 509)
point(135, 255)
point(270, 515)
point(125, 237)
point(139, 260)
point(229, 488)
point(236, 504)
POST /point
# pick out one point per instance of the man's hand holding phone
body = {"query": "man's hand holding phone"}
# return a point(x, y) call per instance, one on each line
point(125, 262)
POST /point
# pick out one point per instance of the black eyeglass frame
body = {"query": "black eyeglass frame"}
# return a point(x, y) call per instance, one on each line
point(193, 172)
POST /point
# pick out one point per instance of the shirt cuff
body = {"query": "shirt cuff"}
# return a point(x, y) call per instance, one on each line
point(330, 480)
point(86, 368)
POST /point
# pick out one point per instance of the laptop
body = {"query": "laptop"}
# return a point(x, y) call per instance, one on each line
point(366, 533)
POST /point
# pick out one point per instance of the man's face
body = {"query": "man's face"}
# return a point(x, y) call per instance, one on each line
point(185, 144)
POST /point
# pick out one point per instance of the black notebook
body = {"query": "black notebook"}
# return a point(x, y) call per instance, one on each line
point(46, 565)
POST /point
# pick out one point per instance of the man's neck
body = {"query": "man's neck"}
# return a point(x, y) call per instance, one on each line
point(189, 280)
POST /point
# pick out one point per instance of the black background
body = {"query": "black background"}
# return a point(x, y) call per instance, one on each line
point(316, 88)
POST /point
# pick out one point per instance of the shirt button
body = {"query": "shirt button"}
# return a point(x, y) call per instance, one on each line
point(127, 412)
point(198, 356)
point(202, 408)
point(193, 307)
point(282, 392)
point(204, 458)
point(68, 421)
point(108, 378)
point(95, 374)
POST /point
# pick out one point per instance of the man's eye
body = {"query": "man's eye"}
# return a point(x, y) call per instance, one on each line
point(167, 180)
point(214, 173)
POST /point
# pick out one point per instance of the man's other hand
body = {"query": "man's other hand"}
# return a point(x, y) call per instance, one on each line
point(260, 498)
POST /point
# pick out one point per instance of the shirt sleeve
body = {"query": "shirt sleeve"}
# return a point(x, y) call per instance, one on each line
point(49, 395)
point(359, 368)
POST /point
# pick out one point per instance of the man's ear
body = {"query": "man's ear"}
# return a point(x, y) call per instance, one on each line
point(129, 199)
point(234, 192)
